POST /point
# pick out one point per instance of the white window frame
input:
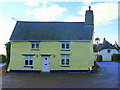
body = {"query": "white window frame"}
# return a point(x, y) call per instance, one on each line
point(28, 58)
point(65, 57)
point(35, 45)
point(65, 43)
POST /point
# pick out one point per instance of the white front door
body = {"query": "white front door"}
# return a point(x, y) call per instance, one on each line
point(45, 63)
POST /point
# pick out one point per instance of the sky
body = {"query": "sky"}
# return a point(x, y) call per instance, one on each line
point(105, 15)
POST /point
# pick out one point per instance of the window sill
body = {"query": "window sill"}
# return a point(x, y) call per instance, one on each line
point(29, 66)
point(35, 49)
point(65, 49)
point(65, 65)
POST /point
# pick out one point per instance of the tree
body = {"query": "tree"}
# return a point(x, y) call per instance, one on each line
point(8, 45)
point(94, 47)
point(97, 40)
point(3, 58)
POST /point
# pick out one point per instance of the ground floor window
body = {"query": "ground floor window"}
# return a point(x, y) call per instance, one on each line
point(28, 61)
point(65, 60)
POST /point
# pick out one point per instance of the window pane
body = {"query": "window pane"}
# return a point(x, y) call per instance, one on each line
point(62, 56)
point(67, 45)
point(63, 45)
point(26, 57)
point(67, 61)
point(37, 45)
point(67, 56)
point(26, 62)
point(108, 51)
point(63, 62)
point(45, 58)
point(30, 57)
point(31, 62)
point(33, 45)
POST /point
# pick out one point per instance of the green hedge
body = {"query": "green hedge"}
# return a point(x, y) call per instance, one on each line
point(116, 57)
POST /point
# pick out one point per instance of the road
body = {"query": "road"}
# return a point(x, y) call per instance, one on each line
point(107, 77)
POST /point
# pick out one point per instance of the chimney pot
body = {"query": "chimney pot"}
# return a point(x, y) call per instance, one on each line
point(89, 7)
point(104, 40)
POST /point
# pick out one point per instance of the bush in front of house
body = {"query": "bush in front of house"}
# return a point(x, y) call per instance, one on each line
point(95, 67)
point(99, 58)
point(116, 57)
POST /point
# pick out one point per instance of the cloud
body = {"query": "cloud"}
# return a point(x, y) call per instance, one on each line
point(46, 14)
point(28, 12)
point(104, 13)
point(44, 2)
point(87, 1)
point(32, 2)
point(72, 18)
point(29, 2)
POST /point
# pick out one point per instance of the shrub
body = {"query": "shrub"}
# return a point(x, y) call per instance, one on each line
point(3, 59)
point(95, 67)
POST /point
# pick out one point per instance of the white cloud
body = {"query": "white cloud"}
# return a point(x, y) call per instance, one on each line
point(47, 14)
point(104, 13)
point(87, 1)
point(44, 2)
point(28, 12)
point(32, 2)
point(72, 18)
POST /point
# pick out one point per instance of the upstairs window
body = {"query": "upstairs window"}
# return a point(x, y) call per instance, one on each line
point(28, 61)
point(65, 46)
point(65, 60)
point(35, 45)
point(108, 51)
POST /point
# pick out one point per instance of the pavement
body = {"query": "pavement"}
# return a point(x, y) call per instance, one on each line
point(106, 77)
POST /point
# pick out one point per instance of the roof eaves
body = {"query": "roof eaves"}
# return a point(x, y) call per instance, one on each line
point(54, 40)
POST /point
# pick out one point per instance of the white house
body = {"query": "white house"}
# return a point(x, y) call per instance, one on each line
point(107, 50)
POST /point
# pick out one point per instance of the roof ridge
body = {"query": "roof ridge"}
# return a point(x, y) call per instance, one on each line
point(105, 45)
point(48, 22)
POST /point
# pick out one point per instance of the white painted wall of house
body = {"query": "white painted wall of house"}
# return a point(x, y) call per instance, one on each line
point(107, 56)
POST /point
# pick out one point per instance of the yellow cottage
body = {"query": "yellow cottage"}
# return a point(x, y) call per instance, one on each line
point(52, 46)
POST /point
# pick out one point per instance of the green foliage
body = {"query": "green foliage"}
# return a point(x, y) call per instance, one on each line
point(8, 45)
point(97, 40)
point(94, 48)
point(3, 59)
point(95, 67)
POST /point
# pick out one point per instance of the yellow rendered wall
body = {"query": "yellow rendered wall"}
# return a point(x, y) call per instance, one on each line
point(81, 57)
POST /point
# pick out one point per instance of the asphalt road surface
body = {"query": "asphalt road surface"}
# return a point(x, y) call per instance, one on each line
point(107, 77)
